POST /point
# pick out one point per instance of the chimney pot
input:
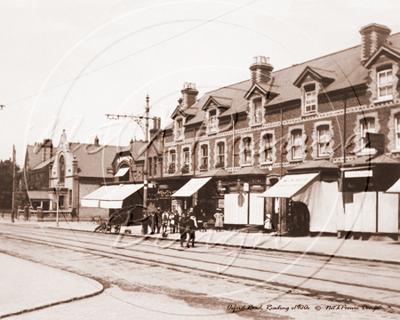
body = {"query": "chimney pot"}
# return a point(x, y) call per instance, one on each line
point(261, 70)
point(373, 36)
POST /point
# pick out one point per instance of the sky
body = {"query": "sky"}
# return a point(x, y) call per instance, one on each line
point(64, 65)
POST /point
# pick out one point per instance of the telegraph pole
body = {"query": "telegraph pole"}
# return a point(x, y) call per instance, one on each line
point(13, 186)
point(143, 122)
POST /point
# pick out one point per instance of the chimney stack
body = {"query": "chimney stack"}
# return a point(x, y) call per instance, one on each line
point(261, 70)
point(189, 95)
point(96, 141)
point(373, 36)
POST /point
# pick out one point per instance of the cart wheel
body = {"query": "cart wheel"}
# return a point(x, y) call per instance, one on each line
point(117, 229)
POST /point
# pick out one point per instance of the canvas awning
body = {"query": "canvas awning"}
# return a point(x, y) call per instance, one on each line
point(38, 195)
point(290, 185)
point(394, 188)
point(115, 199)
point(93, 199)
point(191, 187)
point(121, 172)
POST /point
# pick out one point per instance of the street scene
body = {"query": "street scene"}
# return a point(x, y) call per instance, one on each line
point(200, 159)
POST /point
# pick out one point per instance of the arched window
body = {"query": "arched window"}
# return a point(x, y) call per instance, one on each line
point(204, 157)
point(221, 154)
point(61, 172)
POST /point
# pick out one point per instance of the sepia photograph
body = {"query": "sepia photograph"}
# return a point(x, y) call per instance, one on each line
point(199, 159)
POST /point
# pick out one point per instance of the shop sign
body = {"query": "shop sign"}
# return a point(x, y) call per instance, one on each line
point(358, 174)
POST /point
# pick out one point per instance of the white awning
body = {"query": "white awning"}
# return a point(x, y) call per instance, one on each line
point(114, 199)
point(121, 172)
point(191, 187)
point(93, 199)
point(394, 188)
point(290, 185)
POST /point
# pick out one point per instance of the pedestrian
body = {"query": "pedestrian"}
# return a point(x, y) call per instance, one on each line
point(219, 222)
point(172, 222)
point(164, 219)
point(191, 229)
point(183, 228)
point(176, 221)
point(154, 223)
point(145, 220)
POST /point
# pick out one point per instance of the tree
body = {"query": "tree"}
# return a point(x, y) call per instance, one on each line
point(6, 183)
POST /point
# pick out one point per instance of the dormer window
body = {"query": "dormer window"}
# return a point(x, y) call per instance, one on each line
point(310, 98)
point(385, 83)
point(179, 129)
point(213, 121)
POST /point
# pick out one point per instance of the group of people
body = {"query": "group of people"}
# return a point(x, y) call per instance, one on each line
point(185, 223)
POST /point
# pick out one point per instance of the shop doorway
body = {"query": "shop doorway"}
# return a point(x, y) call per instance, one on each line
point(299, 224)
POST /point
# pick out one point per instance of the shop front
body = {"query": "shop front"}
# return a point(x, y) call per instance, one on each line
point(243, 205)
point(371, 207)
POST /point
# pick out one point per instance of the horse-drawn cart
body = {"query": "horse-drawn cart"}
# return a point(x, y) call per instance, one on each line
point(121, 217)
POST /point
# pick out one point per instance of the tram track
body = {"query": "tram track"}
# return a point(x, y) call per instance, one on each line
point(187, 262)
point(278, 260)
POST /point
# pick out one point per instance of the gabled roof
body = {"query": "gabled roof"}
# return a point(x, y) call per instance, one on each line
point(93, 161)
point(344, 67)
point(44, 164)
point(218, 101)
point(322, 76)
point(265, 90)
point(391, 50)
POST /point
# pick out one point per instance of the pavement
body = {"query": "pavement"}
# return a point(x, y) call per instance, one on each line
point(27, 286)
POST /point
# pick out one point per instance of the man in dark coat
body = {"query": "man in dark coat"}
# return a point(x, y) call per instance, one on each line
point(183, 229)
point(154, 223)
point(191, 226)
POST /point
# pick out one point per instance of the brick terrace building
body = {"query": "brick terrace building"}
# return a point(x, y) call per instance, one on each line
point(258, 129)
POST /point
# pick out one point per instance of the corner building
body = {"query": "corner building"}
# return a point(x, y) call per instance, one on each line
point(325, 132)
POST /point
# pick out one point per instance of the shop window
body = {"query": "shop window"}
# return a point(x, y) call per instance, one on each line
point(247, 150)
point(257, 111)
point(310, 98)
point(267, 147)
point(366, 125)
point(385, 83)
point(204, 157)
point(213, 120)
point(323, 137)
point(61, 164)
point(297, 144)
point(221, 155)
